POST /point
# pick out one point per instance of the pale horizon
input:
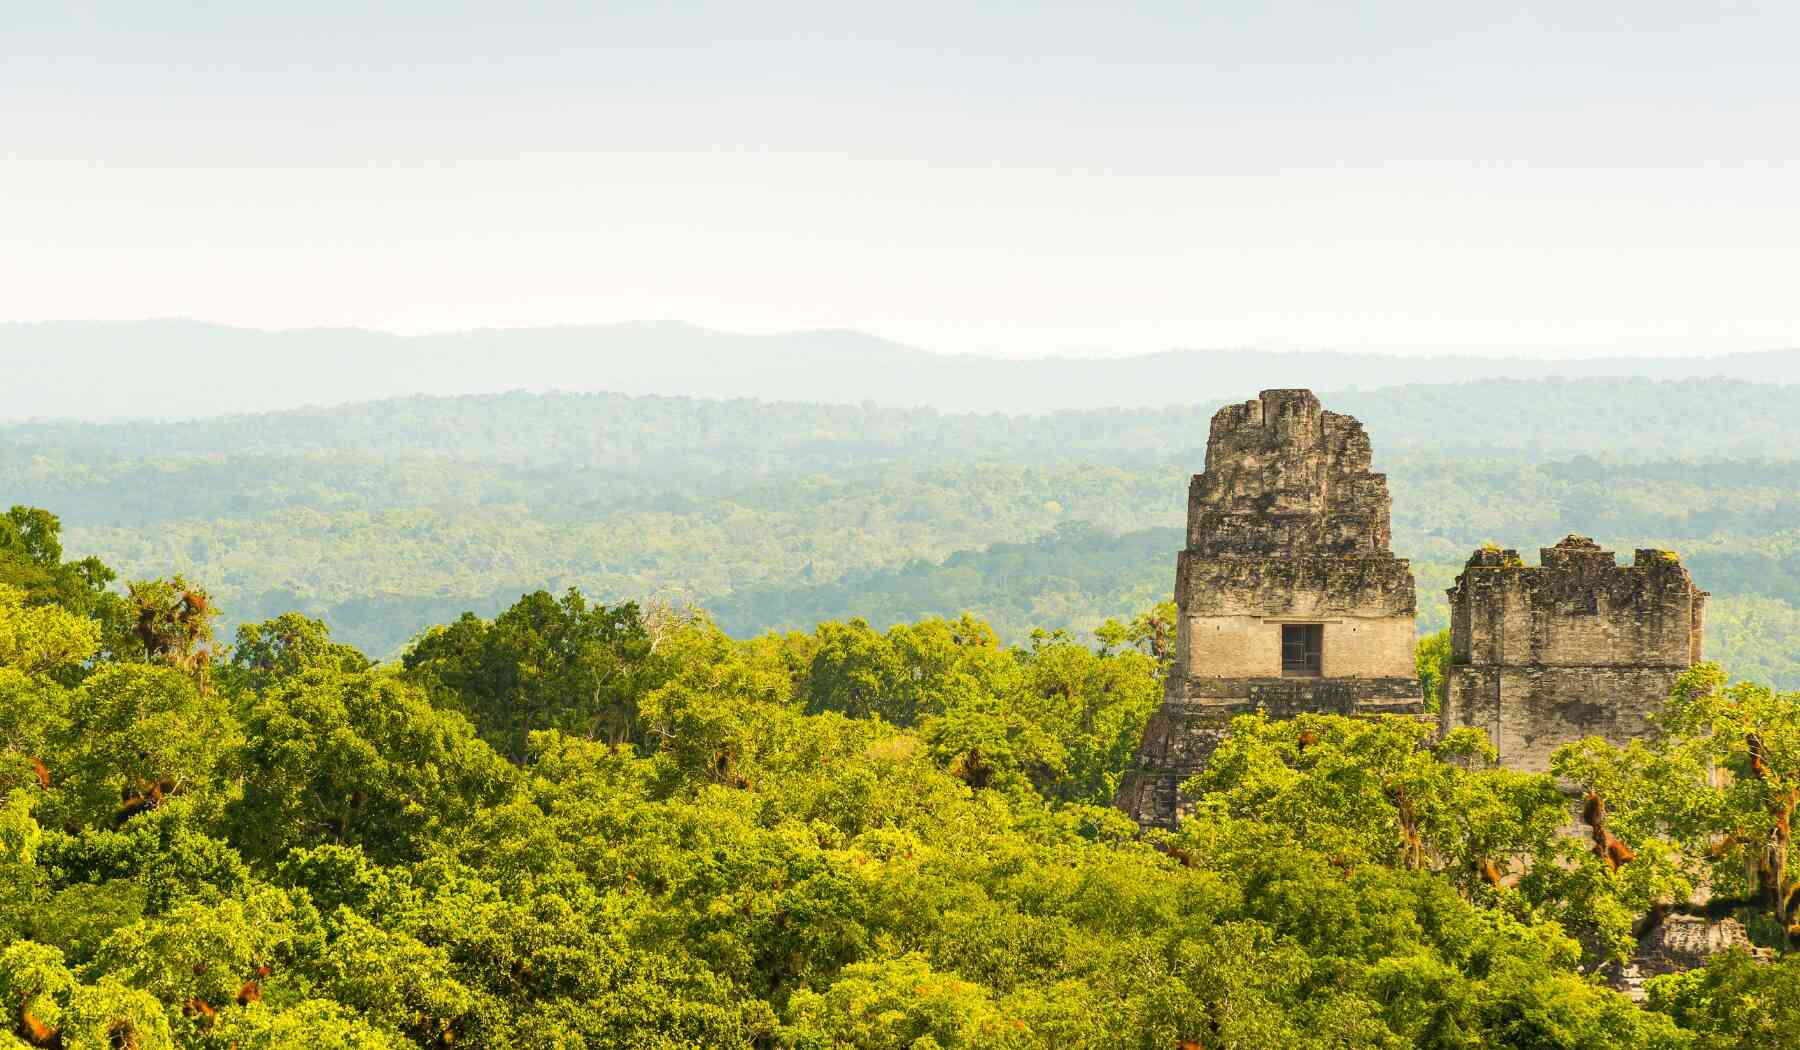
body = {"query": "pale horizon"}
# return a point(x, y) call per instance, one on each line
point(1604, 180)
point(1642, 349)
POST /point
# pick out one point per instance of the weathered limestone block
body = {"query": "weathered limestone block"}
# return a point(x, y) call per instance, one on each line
point(1677, 944)
point(1287, 529)
point(1575, 646)
point(1284, 476)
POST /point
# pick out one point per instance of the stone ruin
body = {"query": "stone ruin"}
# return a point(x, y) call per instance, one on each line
point(1291, 602)
point(1289, 598)
point(1677, 943)
point(1573, 647)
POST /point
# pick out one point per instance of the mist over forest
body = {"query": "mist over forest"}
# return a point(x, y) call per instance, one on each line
point(386, 517)
point(177, 369)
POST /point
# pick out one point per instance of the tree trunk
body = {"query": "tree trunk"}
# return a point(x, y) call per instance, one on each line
point(1779, 837)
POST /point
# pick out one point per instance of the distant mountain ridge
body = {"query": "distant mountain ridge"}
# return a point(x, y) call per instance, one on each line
point(678, 441)
point(178, 369)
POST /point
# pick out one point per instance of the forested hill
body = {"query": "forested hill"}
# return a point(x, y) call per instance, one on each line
point(387, 517)
point(53, 367)
point(1517, 420)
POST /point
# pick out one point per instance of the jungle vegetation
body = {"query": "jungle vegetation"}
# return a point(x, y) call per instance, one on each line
point(579, 824)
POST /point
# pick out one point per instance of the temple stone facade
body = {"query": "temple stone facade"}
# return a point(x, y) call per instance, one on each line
point(1575, 646)
point(1290, 600)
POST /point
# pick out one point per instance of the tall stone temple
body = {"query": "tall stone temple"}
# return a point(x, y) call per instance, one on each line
point(1290, 600)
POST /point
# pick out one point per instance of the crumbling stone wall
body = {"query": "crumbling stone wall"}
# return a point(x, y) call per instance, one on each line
point(1287, 525)
point(1575, 646)
point(1677, 944)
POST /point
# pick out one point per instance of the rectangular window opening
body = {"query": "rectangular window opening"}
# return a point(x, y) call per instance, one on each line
point(1302, 649)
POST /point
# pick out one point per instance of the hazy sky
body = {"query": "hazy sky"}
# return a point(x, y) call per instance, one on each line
point(992, 177)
